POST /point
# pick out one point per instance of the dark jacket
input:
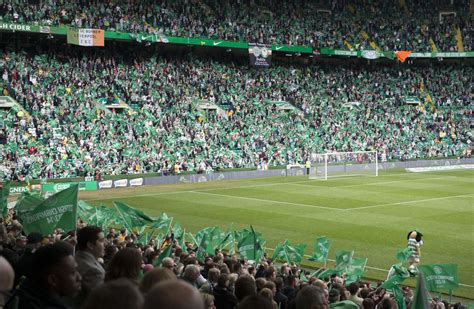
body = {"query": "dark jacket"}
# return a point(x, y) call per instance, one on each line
point(31, 296)
point(224, 299)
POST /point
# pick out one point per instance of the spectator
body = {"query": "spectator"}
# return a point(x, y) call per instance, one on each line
point(155, 276)
point(290, 289)
point(311, 297)
point(6, 281)
point(90, 247)
point(256, 301)
point(127, 263)
point(268, 294)
point(54, 277)
point(353, 290)
point(223, 297)
point(208, 301)
point(280, 298)
point(116, 294)
point(23, 268)
point(173, 295)
point(211, 282)
point(191, 274)
point(168, 263)
point(245, 286)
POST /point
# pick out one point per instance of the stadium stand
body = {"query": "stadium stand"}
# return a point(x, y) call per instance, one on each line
point(354, 107)
point(391, 25)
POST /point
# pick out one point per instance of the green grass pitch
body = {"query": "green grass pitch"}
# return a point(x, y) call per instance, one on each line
point(370, 215)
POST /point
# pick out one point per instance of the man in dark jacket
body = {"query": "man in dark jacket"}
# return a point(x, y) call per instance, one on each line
point(54, 276)
point(223, 298)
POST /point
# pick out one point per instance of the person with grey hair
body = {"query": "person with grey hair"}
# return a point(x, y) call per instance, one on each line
point(191, 274)
point(311, 297)
point(168, 263)
point(212, 277)
point(173, 295)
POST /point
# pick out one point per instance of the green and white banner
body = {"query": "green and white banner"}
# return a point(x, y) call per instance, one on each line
point(94, 37)
point(440, 276)
point(57, 211)
point(83, 186)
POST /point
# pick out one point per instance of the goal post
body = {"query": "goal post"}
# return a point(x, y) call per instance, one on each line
point(343, 164)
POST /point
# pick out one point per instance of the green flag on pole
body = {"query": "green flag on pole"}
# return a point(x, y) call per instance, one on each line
point(85, 211)
point(399, 297)
point(404, 254)
point(163, 223)
point(420, 300)
point(250, 245)
point(182, 240)
point(57, 211)
point(27, 201)
point(343, 259)
point(228, 240)
point(321, 250)
point(328, 272)
point(391, 282)
point(4, 193)
point(292, 254)
point(355, 270)
point(165, 253)
point(131, 216)
point(279, 254)
point(440, 276)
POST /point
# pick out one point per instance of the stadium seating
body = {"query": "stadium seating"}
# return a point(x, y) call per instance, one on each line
point(385, 25)
point(346, 109)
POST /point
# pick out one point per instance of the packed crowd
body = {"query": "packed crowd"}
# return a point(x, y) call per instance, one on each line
point(391, 25)
point(64, 130)
point(111, 269)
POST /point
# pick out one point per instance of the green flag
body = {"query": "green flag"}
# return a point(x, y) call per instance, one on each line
point(201, 250)
point(328, 272)
point(321, 250)
point(420, 300)
point(204, 239)
point(404, 254)
point(57, 211)
point(85, 211)
point(356, 266)
point(440, 276)
point(166, 253)
point(4, 193)
point(280, 253)
point(163, 223)
point(343, 259)
point(292, 254)
point(355, 270)
point(27, 201)
point(391, 282)
point(144, 238)
point(399, 297)
point(303, 277)
point(250, 245)
point(182, 240)
point(228, 240)
point(131, 216)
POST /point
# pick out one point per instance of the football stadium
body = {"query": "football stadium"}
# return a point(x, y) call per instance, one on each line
point(236, 154)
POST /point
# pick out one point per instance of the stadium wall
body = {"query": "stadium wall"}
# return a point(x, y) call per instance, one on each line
point(193, 178)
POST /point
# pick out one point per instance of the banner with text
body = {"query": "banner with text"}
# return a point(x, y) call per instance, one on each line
point(260, 55)
point(83, 186)
point(85, 37)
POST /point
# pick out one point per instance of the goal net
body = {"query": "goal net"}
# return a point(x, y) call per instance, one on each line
point(343, 164)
